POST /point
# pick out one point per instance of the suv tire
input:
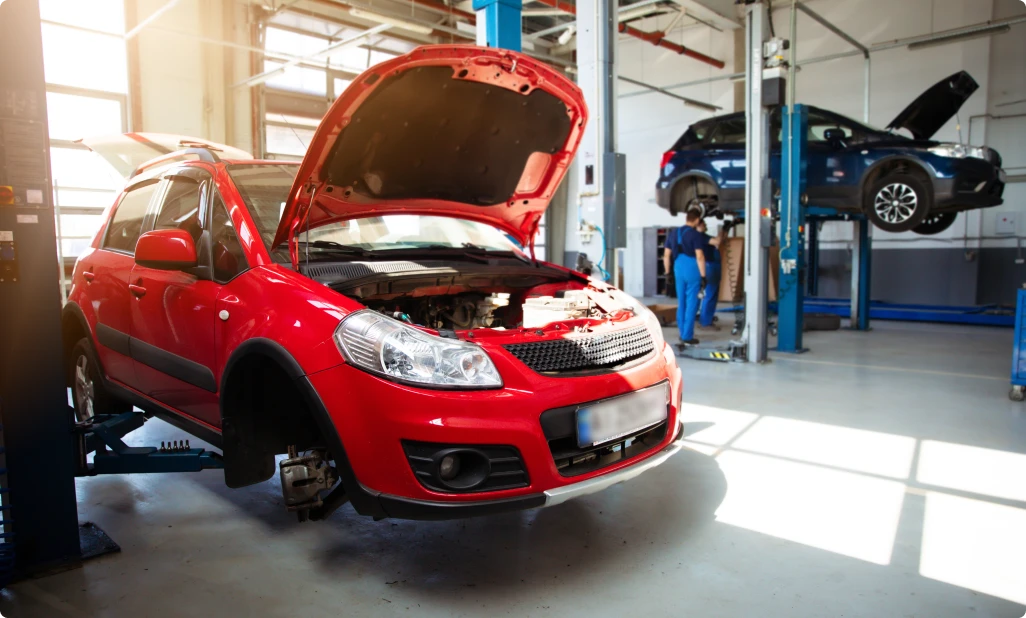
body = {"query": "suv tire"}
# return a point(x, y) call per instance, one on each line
point(898, 202)
point(87, 384)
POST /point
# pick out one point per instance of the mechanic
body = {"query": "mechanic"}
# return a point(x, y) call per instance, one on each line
point(685, 251)
point(707, 315)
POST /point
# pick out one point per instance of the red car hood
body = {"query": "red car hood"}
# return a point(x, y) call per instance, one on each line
point(452, 130)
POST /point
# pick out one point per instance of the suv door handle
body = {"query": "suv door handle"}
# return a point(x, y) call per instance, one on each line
point(88, 276)
point(138, 290)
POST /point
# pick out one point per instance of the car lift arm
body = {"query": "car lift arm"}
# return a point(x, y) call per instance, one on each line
point(103, 435)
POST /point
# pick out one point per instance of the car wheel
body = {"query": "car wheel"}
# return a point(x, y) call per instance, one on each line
point(935, 223)
point(898, 203)
point(87, 386)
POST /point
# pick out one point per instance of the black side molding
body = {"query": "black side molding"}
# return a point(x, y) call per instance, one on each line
point(114, 339)
point(173, 365)
point(407, 508)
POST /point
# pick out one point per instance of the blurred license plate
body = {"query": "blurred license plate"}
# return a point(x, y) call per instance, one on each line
point(614, 418)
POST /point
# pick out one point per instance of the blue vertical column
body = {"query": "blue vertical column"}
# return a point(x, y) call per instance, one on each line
point(861, 268)
point(812, 272)
point(499, 22)
point(790, 303)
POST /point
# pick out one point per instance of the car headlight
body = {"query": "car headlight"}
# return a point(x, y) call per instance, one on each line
point(651, 321)
point(387, 347)
point(959, 151)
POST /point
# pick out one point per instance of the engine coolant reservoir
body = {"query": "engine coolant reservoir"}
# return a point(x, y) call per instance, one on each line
point(543, 310)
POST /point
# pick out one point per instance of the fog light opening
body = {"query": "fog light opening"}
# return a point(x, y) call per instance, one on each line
point(449, 467)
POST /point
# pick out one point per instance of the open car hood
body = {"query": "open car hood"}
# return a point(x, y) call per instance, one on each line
point(127, 151)
point(928, 113)
point(451, 130)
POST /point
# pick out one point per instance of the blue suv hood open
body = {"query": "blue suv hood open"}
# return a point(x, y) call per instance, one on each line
point(928, 113)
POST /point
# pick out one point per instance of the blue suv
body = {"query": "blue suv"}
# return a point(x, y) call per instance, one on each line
point(900, 183)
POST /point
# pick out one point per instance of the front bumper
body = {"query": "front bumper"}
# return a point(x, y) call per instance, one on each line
point(974, 183)
point(407, 508)
point(374, 418)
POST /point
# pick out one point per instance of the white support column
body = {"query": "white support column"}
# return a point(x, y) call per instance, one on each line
point(596, 76)
point(757, 232)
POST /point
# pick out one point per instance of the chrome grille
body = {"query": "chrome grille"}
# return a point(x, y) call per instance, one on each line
point(583, 353)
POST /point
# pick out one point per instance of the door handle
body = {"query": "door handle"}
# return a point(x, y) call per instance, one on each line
point(88, 276)
point(138, 290)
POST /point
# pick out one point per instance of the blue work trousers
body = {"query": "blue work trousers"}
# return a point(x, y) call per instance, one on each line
point(689, 280)
point(712, 293)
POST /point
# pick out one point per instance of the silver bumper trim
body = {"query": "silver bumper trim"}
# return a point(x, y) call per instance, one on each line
point(593, 485)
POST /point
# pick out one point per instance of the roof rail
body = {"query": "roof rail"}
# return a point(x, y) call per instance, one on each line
point(204, 154)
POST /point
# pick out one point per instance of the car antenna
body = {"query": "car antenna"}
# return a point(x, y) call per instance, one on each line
point(958, 127)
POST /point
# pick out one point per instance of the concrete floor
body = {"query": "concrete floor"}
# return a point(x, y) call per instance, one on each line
point(880, 474)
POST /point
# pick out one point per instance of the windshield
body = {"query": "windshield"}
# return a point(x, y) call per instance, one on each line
point(265, 189)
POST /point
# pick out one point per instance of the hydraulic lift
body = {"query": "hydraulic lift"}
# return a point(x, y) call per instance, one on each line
point(42, 450)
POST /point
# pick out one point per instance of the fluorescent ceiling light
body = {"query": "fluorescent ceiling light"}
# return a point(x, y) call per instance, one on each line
point(392, 21)
point(567, 34)
point(955, 38)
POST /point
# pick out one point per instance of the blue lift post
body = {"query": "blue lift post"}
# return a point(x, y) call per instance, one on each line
point(501, 22)
point(790, 310)
point(861, 269)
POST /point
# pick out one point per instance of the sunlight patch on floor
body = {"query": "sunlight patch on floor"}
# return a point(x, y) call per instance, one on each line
point(981, 471)
point(975, 544)
point(842, 447)
point(726, 424)
point(842, 512)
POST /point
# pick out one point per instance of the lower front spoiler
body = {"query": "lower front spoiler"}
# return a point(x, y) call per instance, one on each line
point(408, 508)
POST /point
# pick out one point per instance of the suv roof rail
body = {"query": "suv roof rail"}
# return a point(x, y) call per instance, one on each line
point(203, 153)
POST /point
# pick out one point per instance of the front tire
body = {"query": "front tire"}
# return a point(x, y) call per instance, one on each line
point(898, 202)
point(87, 385)
point(935, 223)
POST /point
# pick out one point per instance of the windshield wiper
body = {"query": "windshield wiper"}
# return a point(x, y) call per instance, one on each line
point(330, 246)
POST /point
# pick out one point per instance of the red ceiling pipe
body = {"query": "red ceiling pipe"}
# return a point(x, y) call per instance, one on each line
point(655, 38)
point(658, 38)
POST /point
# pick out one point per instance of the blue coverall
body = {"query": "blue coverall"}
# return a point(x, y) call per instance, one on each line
point(682, 244)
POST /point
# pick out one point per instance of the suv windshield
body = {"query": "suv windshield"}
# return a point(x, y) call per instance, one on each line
point(265, 189)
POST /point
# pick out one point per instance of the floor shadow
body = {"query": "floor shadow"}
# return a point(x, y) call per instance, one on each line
point(624, 524)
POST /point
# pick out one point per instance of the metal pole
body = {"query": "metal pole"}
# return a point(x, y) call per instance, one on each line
point(861, 266)
point(498, 23)
point(865, 103)
point(757, 227)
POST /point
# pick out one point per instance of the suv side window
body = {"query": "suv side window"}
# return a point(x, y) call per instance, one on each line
point(729, 131)
point(229, 260)
point(181, 208)
point(126, 224)
point(818, 125)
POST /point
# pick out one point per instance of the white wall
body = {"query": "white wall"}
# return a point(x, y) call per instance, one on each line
point(185, 84)
point(649, 124)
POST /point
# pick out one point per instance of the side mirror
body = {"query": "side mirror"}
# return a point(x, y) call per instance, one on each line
point(166, 250)
point(835, 135)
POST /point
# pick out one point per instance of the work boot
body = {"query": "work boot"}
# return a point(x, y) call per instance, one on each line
point(691, 341)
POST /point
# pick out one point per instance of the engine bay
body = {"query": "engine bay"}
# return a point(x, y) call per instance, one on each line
point(447, 295)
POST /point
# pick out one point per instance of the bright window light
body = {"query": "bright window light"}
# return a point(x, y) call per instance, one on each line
point(67, 113)
point(288, 140)
point(724, 424)
point(976, 545)
point(857, 450)
point(84, 59)
point(74, 167)
point(969, 468)
point(293, 43)
point(841, 512)
point(105, 15)
point(297, 78)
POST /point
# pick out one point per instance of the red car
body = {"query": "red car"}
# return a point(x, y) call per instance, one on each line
point(366, 311)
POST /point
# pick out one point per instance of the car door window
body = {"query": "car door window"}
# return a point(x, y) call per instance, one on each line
point(729, 132)
point(229, 260)
point(181, 208)
point(819, 124)
point(126, 224)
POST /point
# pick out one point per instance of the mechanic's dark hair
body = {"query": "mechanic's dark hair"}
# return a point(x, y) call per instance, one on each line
point(694, 215)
